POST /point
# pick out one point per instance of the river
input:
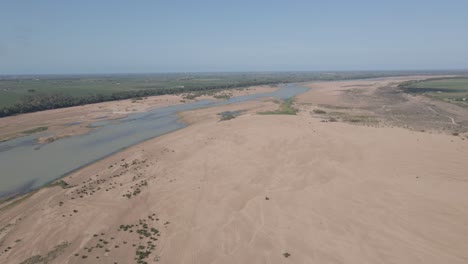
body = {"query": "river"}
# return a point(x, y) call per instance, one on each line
point(26, 165)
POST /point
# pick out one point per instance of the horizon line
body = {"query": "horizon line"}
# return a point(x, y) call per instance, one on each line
point(220, 72)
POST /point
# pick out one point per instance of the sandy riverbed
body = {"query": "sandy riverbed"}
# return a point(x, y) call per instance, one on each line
point(257, 189)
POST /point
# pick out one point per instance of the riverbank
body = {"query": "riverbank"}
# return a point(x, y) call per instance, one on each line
point(257, 188)
point(72, 121)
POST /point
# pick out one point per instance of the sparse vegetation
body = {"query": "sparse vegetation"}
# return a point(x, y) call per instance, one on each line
point(223, 96)
point(136, 189)
point(285, 108)
point(49, 257)
point(35, 130)
point(227, 117)
point(190, 96)
point(147, 234)
point(348, 117)
point(60, 183)
point(319, 111)
point(360, 119)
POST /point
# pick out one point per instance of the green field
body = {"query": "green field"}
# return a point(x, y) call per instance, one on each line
point(12, 90)
point(453, 90)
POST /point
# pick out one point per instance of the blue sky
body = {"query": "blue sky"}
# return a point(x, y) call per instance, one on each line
point(171, 36)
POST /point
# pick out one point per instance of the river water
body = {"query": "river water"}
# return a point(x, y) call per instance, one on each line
point(26, 165)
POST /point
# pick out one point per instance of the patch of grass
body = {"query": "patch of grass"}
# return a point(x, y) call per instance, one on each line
point(222, 96)
point(338, 113)
point(285, 108)
point(35, 130)
point(360, 119)
point(60, 183)
point(319, 111)
point(227, 117)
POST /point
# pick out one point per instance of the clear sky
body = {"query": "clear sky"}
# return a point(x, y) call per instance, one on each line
point(114, 36)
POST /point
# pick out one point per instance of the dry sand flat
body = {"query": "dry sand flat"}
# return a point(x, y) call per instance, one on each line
point(253, 188)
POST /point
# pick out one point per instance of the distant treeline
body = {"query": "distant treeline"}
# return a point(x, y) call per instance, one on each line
point(46, 101)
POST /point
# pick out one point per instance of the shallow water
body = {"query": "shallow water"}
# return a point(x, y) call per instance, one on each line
point(25, 165)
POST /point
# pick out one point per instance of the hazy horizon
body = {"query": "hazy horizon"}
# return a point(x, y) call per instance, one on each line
point(397, 72)
point(54, 37)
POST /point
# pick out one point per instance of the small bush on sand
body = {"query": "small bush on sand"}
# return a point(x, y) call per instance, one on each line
point(227, 117)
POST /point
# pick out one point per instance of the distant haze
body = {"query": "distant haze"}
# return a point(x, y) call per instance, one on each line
point(176, 36)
